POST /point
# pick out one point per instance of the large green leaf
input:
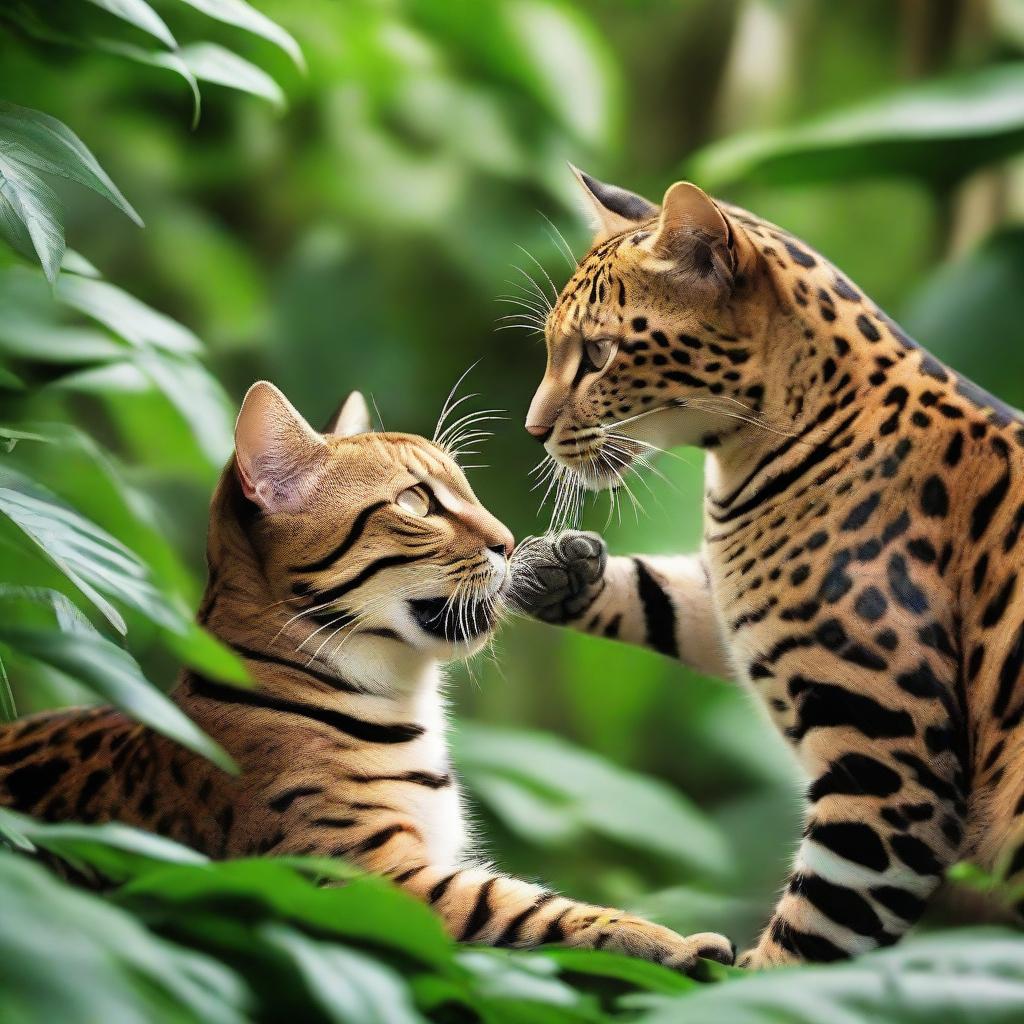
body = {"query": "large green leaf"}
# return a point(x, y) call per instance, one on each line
point(115, 676)
point(48, 145)
point(31, 218)
point(940, 130)
point(960, 977)
point(67, 956)
point(547, 790)
point(115, 851)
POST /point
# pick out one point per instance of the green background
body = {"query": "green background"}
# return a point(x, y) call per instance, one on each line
point(355, 225)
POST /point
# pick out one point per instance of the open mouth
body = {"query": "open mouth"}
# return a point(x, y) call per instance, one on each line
point(457, 621)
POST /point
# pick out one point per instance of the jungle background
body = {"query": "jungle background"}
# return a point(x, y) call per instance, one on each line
point(336, 194)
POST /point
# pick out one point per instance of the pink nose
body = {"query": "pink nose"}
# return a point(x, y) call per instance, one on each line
point(541, 431)
point(506, 543)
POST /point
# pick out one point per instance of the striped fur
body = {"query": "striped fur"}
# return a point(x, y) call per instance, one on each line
point(343, 605)
point(861, 567)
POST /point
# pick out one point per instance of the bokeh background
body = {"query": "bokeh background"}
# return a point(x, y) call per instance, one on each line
point(355, 225)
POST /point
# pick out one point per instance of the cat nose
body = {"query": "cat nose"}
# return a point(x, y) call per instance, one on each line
point(541, 431)
point(506, 543)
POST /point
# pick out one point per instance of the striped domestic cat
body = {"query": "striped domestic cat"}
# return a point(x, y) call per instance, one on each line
point(345, 568)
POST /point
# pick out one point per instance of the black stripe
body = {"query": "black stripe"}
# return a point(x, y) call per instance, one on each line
point(481, 914)
point(15, 754)
point(902, 903)
point(510, 934)
point(409, 873)
point(440, 888)
point(659, 615)
point(418, 778)
point(285, 799)
point(987, 505)
point(776, 485)
point(333, 594)
point(554, 931)
point(266, 658)
point(353, 535)
point(378, 839)
point(334, 822)
point(815, 948)
point(357, 728)
point(1009, 672)
point(853, 841)
point(92, 785)
point(838, 903)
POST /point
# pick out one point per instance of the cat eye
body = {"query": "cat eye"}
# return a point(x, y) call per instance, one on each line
point(598, 351)
point(417, 501)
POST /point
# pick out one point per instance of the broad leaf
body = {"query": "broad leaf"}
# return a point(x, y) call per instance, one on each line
point(31, 218)
point(960, 977)
point(43, 142)
point(111, 968)
point(241, 15)
point(115, 676)
point(939, 130)
point(115, 851)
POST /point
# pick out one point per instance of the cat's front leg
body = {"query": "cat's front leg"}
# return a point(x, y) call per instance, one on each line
point(660, 602)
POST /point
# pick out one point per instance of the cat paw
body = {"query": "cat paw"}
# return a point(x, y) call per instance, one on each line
point(623, 933)
point(556, 578)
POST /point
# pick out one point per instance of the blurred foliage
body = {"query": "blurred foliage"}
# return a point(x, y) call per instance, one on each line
point(336, 195)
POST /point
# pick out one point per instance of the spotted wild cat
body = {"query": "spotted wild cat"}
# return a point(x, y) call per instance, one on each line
point(862, 557)
point(344, 568)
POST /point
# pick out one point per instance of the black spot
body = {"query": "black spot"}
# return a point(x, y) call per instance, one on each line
point(867, 328)
point(934, 499)
point(639, 324)
point(871, 604)
point(987, 506)
point(30, 783)
point(887, 639)
point(916, 854)
point(921, 682)
point(801, 256)
point(980, 572)
point(904, 591)
point(856, 775)
point(861, 512)
point(921, 549)
point(852, 840)
point(996, 608)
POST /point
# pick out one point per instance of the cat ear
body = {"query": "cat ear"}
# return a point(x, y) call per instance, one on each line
point(693, 237)
point(278, 455)
point(351, 417)
point(612, 209)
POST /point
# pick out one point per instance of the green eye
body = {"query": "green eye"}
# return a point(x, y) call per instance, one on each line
point(598, 351)
point(414, 501)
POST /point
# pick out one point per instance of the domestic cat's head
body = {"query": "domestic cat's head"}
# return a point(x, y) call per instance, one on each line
point(376, 530)
point(669, 310)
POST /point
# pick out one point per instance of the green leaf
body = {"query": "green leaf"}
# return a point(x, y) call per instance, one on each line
point(92, 559)
point(940, 130)
point(125, 315)
point(117, 852)
point(349, 986)
point(43, 142)
point(111, 968)
point(8, 708)
point(210, 62)
point(166, 60)
point(142, 16)
point(532, 779)
point(367, 909)
point(641, 974)
point(115, 676)
point(967, 976)
point(241, 15)
point(31, 218)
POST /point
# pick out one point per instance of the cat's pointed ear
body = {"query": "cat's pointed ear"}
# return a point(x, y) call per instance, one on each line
point(351, 417)
point(612, 209)
point(278, 456)
point(693, 238)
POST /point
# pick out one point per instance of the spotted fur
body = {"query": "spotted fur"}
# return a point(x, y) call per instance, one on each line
point(862, 558)
point(343, 569)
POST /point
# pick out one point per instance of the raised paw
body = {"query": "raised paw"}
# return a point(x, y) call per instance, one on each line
point(556, 578)
point(623, 933)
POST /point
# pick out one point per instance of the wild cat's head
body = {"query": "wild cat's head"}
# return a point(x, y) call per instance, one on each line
point(373, 530)
point(663, 314)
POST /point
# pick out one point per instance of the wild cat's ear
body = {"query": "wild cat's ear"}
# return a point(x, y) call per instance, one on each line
point(278, 455)
point(692, 238)
point(351, 417)
point(612, 209)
